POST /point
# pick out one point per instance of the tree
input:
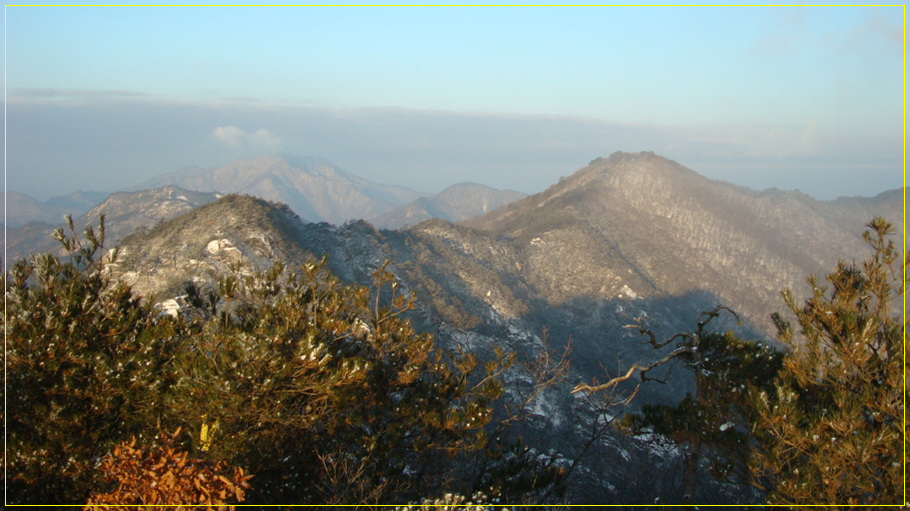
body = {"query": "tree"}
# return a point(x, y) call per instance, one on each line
point(712, 424)
point(325, 391)
point(84, 362)
point(830, 430)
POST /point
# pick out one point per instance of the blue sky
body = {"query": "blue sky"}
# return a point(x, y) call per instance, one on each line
point(794, 97)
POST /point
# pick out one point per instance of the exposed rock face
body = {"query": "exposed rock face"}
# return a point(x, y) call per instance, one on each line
point(458, 202)
point(202, 244)
point(313, 187)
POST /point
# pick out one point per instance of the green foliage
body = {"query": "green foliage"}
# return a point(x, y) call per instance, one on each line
point(454, 502)
point(83, 361)
point(712, 424)
point(830, 431)
point(323, 390)
point(327, 394)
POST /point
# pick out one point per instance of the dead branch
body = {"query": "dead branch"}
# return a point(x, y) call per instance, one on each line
point(643, 370)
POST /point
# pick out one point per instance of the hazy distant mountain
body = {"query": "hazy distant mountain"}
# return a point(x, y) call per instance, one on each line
point(313, 187)
point(77, 203)
point(22, 209)
point(30, 238)
point(125, 212)
point(30, 222)
point(457, 202)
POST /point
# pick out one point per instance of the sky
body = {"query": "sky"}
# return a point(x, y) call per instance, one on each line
point(104, 98)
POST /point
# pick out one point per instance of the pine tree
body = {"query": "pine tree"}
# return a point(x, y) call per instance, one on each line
point(84, 362)
point(713, 424)
point(325, 391)
point(831, 431)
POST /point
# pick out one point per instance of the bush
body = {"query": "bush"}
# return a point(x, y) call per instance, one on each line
point(166, 477)
point(84, 363)
point(326, 392)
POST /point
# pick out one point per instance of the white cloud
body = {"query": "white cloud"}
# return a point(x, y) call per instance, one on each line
point(263, 138)
point(236, 137)
point(230, 135)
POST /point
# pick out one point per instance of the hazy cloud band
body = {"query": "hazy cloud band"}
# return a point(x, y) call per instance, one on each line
point(60, 141)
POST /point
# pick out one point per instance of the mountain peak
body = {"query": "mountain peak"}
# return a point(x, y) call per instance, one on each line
point(682, 230)
point(641, 179)
point(641, 168)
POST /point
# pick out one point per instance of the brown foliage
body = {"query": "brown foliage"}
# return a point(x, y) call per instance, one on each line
point(166, 476)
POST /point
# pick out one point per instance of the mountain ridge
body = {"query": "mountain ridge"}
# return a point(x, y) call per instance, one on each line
point(682, 230)
point(125, 213)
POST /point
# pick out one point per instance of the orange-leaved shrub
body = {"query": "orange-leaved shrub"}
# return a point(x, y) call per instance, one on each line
point(166, 476)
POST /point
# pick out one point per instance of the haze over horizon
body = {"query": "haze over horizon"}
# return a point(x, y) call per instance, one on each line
point(807, 98)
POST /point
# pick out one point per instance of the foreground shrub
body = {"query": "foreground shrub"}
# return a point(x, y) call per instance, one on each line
point(85, 368)
point(166, 477)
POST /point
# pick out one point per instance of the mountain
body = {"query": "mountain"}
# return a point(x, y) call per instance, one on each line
point(22, 209)
point(457, 202)
point(472, 296)
point(125, 213)
point(77, 203)
point(650, 223)
point(627, 236)
point(631, 236)
point(204, 242)
point(313, 187)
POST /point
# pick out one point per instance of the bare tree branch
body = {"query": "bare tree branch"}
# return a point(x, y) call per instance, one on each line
point(643, 370)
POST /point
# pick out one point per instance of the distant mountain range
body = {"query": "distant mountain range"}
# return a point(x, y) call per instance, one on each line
point(314, 188)
point(125, 213)
point(22, 209)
